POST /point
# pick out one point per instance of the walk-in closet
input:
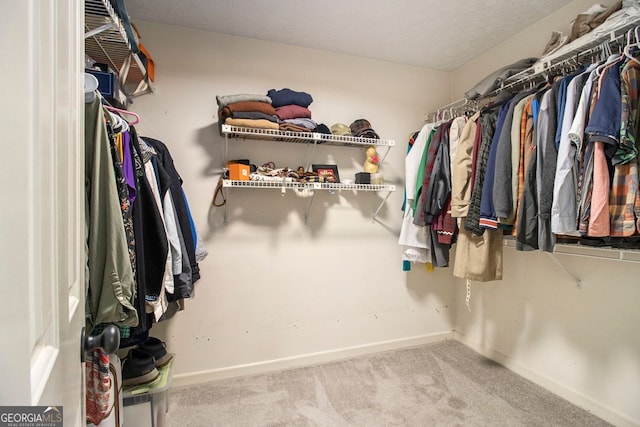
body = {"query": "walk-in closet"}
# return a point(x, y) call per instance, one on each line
point(337, 213)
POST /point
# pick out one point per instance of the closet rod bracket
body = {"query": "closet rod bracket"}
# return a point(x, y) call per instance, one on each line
point(575, 278)
point(375, 214)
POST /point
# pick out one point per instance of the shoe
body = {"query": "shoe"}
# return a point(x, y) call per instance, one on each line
point(138, 368)
point(158, 350)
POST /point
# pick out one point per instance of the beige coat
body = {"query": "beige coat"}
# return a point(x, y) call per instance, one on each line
point(477, 257)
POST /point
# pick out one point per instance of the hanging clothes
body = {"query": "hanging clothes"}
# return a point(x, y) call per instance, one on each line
point(563, 207)
point(414, 239)
point(477, 257)
point(625, 199)
point(111, 285)
point(556, 161)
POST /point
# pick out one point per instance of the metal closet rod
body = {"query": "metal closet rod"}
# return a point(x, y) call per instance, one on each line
point(527, 77)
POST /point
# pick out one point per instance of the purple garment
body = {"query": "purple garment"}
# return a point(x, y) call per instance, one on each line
point(127, 166)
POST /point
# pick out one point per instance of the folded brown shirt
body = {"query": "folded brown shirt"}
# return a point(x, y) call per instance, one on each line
point(293, 128)
point(261, 107)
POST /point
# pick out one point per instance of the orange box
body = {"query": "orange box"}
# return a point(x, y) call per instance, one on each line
point(239, 172)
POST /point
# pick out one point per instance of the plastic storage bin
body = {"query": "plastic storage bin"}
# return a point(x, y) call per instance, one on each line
point(147, 404)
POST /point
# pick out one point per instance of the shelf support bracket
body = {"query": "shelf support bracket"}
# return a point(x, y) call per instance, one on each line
point(225, 220)
point(385, 154)
point(99, 30)
point(576, 279)
point(306, 212)
point(311, 151)
point(375, 214)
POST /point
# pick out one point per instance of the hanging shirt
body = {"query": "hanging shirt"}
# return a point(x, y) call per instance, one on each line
point(503, 183)
point(517, 141)
point(461, 173)
point(488, 217)
point(412, 160)
point(455, 133)
point(603, 131)
point(563, 208)
point(546, 168)
point(477, 257)
point(415, 240)
point(576, 135)
point(625, 199)
point(488, 119)
point(111, 285)
point(527, 219)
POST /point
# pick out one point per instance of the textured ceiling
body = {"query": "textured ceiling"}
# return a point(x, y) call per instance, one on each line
point(435, 34)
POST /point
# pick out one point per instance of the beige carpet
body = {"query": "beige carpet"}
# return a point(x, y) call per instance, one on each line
point(442, 384)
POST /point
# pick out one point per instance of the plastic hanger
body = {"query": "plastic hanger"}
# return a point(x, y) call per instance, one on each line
point(119, 124)
point(630, 45)
point(130, 113)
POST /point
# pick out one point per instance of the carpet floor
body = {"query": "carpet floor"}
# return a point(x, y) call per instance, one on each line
point(441, 384)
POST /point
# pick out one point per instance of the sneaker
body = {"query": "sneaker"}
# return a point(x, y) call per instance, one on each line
point(138, 368)
point(158, 350)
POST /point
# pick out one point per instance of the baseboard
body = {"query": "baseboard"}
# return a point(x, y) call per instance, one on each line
point(585, 402)
point(199, 377)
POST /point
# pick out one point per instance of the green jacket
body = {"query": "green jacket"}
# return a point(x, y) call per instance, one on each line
point(110, 283)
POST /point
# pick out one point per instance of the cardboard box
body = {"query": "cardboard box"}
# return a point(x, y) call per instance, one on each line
point(239, 172)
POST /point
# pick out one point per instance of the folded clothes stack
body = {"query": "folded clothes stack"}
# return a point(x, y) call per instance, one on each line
point(292, 109)
point(247, 110)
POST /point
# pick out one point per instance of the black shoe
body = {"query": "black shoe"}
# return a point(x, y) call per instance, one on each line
point(158, 350)
point(138, 368)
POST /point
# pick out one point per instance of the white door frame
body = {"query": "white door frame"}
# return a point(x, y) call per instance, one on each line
point(42, 256)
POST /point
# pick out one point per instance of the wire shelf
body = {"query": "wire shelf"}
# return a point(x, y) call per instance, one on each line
point(584, 46)
point(106, 40)
point(581, 47)
point(303, 137)
point(306, 185)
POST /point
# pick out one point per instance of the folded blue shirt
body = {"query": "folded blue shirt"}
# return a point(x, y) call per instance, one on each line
point(282, 97)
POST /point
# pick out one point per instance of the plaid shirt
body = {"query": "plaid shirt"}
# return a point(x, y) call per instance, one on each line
point(624, 200)
point(472, 221)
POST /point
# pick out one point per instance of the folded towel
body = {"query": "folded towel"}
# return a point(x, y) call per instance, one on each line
point(249, 123)
point(292, 112)
point(224, 100)
point(286, 96)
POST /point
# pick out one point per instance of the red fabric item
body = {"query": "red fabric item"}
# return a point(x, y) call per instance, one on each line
point(445, 225)
point(98, 385)
point(293, 112)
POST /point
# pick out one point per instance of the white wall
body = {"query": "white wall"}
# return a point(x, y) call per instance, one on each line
point(274, 289)
point(580, 343)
